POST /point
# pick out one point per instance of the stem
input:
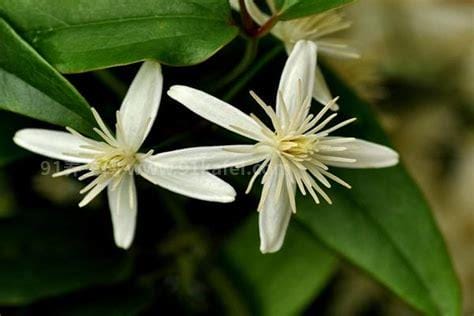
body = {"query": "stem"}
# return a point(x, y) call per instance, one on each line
point(252, 72)
point(229, 296)
point(247, 21)
point(265, 28)
point(251, 28)
point(114, 84)
point(247, 59)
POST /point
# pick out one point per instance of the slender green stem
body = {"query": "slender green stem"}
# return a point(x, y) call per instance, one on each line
point(230, 298)
point(252, 72)
point(247, 59)
point(114, 84)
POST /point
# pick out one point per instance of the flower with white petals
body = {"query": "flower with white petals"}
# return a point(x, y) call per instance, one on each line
point(316, 28)
point(114, 160)
point(296, 152)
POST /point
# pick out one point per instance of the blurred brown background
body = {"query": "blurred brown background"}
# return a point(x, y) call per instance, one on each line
point(417, 68)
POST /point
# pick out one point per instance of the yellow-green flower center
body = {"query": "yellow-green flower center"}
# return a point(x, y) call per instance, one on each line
point(297, 147)
point(114, 162)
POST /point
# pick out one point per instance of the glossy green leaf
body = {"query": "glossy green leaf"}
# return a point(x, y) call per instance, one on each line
point(283, 283)
point(47, 253)
point(31, 87)
point(293, 9)
point(384, 225)
point(80, 35)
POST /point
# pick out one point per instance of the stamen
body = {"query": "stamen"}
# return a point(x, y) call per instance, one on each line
point(269, 111)
point(75, 133)
point(101, 123)
point(70, 171)
point(245, 131)
point(87, 175)
point(336, 179)
point(336, 127)
point(317, 174)
point(335, 158)
point(326, 108)
point(291, 196)
point(105, 137)
point(322, 124)
point(263, 127)
point(283, 108)
point(92, 184)
point(255, 175)
point(101, 185)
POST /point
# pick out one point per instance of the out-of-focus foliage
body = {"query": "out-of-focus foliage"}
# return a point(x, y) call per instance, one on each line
point(284, 283)
point(46, 253)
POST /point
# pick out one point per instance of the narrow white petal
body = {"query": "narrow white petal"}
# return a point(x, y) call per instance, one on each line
point(255, 12)
point(207, 158)
point(366, 154)
point(53, 144)
point(321, 91)
point(274, 216)
point(140, 106)
point(123, 209)
point(200, 185)
point(297, 78)
point(216, 111)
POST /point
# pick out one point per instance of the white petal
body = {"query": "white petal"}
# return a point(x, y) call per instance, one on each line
point(123, 208)
point(321, 91)
point(200, 185)
point(234, 4)
point(297, 78)
point(53, 144)
point(207, 158)
point(274, 217)
point(216, 111)
point(254, 11)
point(367, 155)
point(140, 106)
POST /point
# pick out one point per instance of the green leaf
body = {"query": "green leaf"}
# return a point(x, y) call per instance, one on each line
point(283, 283)
point(293, 9)
point(384, 225)
point(80, 35)
point(31, 87)
point(46, 253)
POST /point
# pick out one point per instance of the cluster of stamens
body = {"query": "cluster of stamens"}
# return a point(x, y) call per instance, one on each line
point(298, 147)
point(314, 28)
point(110, 158)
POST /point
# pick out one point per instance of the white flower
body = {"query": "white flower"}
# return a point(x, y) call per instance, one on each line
point(114, 160)
point(296, 151)
point(316, 28)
